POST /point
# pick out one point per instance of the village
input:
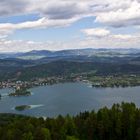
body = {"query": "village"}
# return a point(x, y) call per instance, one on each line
point(37, 82)
point(95, 81)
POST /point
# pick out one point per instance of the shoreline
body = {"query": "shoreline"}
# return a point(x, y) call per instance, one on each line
point(89, 83)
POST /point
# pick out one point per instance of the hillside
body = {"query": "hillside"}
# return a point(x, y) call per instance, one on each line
point(66, 62)
point(64, 68)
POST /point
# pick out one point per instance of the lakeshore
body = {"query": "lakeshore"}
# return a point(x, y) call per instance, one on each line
point(97, 81)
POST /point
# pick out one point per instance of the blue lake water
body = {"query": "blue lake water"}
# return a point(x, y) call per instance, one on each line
point(67, 98)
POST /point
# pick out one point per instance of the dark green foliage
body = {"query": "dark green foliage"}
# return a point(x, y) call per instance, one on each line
point(21, 92)
point(22, 107)
point(66, 68)
point(20, 71)
point(121, 122)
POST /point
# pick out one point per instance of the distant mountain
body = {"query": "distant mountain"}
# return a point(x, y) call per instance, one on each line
point(9, 55)
point(64, 53)
point(69, 61)
point(35, 55)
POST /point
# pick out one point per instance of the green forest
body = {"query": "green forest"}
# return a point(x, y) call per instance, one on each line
point(65, 68)
point(120, 122)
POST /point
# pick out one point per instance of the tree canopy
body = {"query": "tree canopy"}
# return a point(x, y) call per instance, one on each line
point(121, 122)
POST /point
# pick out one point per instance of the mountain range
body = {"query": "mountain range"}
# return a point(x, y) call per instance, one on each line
point(55, 63)
point(34, 54)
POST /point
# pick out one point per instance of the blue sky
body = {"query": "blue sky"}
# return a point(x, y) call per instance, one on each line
point(67, 24)
point(55, 34)
point(47, 34)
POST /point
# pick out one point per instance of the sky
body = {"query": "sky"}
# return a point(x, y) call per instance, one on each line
point(27, 25)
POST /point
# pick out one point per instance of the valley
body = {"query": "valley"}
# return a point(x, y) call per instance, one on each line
point(102, 68)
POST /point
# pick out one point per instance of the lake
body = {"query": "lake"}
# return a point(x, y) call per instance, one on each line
point(67, 98)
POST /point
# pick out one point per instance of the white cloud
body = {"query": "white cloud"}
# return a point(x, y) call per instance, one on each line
point(124, 36)
point(123, 16)
point(60, 13)
point(65, 12)
point(53, 13)
point(8, 28)
point(21, 46)
point(25, 46)
point(112, 41)
point(109, 41)
point(97, 32)
point(103, 38)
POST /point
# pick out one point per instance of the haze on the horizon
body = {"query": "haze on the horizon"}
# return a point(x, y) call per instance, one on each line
point(27, 25)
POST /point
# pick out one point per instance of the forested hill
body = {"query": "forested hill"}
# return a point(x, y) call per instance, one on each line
point(65, 68)
point(64, 63)
point(121, 122)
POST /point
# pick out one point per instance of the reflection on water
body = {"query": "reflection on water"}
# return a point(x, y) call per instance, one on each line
point(35, 106)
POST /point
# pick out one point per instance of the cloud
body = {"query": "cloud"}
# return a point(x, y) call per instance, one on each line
point(103, 38)
point(121, 17)
point(97, 32)
point(112, 41)
point(62, 13)
point(51, 9)
point(124, 36)
point(109, 41)
point(108, 38)
point(105, 33)
point(22, 46)
point(12, 7)
point(114, 13)
point(64, 10)
point(8, 28)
